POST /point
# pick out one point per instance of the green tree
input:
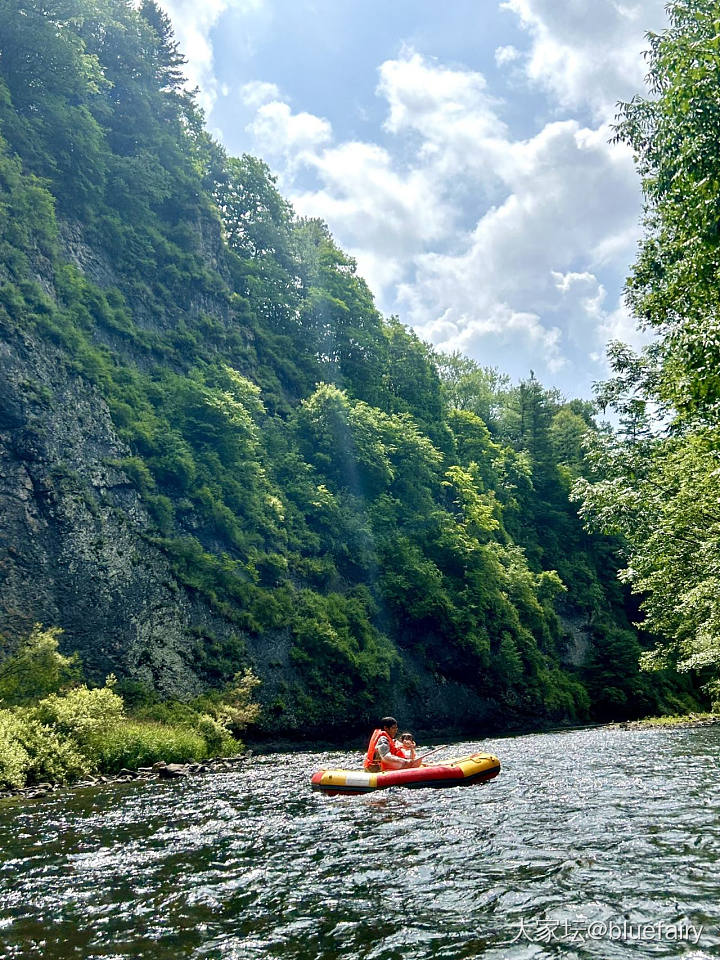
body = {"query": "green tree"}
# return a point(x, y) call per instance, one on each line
point(37, 668)
point(655, 479)
point(468, 386)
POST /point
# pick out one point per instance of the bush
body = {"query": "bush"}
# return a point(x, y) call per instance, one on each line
point(69, 733)
point(52, 757)
point(134, 744)
point(33, 752)
point(234, 708)
point(216, 735)
point(14, 758)
point(83, 715)
point(36, 668)
point(66, 736)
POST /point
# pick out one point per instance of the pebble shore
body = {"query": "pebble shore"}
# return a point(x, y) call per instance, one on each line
point(158, 771)
point(669, 723)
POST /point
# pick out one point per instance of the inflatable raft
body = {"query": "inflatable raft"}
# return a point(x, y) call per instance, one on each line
point(476, 768)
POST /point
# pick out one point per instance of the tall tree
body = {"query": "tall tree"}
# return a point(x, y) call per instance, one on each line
point(657, 483)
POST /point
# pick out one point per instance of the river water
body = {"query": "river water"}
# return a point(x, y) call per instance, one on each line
point(595, 843)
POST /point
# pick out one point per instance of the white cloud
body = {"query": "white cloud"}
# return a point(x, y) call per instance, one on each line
point(570, 194)
point(450, 112)
point(382, 214)
point(193, 24)
point(498, 329)
point(507, 54)
point(425, 96)
point(394, 210)
point(486, 243)
point(583, 303)
point(588, 53)
point(279, 132)
point(257, 93)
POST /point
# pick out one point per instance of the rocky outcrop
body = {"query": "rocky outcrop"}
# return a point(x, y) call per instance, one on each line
point(578, 644)
point(75, 550)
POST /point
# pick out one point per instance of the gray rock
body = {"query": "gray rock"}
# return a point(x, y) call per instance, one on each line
point(76, 550)
point(172, 771)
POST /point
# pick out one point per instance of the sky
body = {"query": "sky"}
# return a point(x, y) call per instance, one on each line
point(460, 151)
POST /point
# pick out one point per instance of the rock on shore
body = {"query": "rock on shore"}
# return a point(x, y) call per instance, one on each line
point(159, 771)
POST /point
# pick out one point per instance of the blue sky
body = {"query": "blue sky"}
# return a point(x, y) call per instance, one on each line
point(460, 151)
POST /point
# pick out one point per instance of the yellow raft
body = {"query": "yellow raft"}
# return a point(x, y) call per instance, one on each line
point(476, 768)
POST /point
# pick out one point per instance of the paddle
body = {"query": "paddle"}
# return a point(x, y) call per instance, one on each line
point(434, 750)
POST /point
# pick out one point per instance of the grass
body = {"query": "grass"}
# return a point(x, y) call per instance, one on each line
point(134, 744)
point(679, 720)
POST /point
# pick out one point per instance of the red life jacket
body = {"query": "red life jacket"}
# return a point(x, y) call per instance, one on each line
point(370, 761)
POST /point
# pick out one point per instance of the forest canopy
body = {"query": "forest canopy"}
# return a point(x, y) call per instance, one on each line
point(656, 478)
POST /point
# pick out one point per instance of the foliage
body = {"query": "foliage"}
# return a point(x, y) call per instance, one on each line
point(36, 668)
point(654, 480)
point(32, 751)
point(82, 715)
point(53, 757)
point(314, 473)
point(85, 730)
point(66, 735)
point(680, 720)
point(235, 709)
point(139, 744)
point(14, 758)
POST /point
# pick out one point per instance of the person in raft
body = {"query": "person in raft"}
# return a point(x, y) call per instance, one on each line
point(383, 753)
point(407, 745)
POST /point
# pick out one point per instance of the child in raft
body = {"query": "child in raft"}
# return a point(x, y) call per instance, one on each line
point(407, 745)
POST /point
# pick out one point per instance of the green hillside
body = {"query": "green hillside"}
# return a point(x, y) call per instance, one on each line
point(225, 456)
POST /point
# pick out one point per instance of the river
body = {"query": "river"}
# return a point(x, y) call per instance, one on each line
point(597, 843)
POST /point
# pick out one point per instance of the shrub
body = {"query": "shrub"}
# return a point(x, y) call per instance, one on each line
point(52, 756)
point(83, 715)
point(32, 752)
point(36, 668)
point(135, 744)
point(236, 709)
point(14, 758)
point(216, 735)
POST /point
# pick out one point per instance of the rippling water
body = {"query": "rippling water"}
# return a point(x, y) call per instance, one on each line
point(583, 838)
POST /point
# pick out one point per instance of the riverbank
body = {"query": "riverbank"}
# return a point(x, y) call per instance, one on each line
point(158, 771)
point(55, 729)
point(670, 723)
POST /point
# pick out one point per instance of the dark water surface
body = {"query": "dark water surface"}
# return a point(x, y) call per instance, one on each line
point(584, 838)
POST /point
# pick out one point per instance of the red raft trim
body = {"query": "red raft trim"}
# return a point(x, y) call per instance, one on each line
point(438, 776)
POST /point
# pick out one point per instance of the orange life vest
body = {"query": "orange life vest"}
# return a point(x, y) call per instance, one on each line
point(370, 762)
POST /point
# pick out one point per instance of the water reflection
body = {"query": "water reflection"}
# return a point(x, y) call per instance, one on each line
point(596, 827)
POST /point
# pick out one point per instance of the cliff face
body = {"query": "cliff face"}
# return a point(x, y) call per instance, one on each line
point(75, 550)
point(79, 549)
point(77, 546)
